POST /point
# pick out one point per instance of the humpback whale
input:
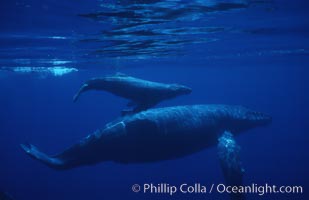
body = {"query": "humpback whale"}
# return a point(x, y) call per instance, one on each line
point(160, 134)
point(163, 134)
point(142, 94)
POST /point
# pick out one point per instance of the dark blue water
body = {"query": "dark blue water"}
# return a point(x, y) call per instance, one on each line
point(251, 53)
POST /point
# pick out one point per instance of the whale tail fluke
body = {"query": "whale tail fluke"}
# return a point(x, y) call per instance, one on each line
point(36, 154)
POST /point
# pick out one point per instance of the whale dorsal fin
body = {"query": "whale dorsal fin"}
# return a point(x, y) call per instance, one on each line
point(121, 74)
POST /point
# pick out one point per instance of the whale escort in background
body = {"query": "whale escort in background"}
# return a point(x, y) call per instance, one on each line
point(142, 94)
point(5, 196)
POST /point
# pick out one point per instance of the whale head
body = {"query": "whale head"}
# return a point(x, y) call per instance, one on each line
point(98, 84)
point(241, 119)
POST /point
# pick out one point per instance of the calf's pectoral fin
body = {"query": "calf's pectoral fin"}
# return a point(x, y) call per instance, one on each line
point(143, 106)
point(228, 152)
point(81, 90)
point(137, 107)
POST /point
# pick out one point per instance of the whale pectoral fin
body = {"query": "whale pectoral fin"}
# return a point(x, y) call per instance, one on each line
point(143, 106)
point(137, 107)
point(129, 111)
point(81, 90)
point(228, 152)
point(75, 97)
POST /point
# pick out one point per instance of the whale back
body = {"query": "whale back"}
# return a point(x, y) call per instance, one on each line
point(173, 120)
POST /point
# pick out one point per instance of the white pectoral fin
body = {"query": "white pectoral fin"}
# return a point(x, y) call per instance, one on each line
point(228, 152)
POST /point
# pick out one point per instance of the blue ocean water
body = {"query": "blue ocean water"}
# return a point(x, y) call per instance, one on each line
point(239, 52)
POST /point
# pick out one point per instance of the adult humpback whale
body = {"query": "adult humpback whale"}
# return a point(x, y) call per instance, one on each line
point(161, 134)
point(143, 94)
point(158, 134)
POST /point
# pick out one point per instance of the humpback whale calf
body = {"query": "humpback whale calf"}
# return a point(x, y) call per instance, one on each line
point(142, 93)
point(160, 134)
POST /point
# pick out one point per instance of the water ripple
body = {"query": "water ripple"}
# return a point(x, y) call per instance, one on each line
point(155, 28)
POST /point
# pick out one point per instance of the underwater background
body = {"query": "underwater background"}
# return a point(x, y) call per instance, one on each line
point(252, 53)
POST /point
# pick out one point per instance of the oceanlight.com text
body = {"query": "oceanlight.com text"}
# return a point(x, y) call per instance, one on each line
point(198, 188)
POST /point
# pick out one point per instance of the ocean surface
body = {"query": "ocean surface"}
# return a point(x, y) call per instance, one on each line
point(253, 53)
